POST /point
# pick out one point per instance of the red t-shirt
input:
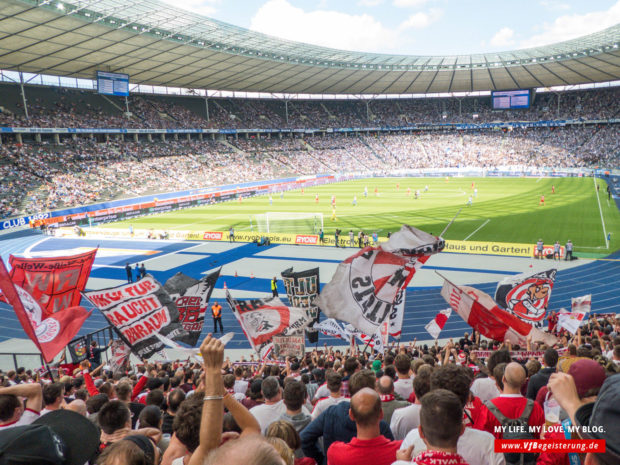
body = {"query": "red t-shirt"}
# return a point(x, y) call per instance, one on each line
point(511, 405)
point(376, 451)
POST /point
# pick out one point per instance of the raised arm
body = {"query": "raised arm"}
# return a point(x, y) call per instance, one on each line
point(246, 421)
point(32, 392)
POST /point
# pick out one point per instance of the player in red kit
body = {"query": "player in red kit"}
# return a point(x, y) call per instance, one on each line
point(553, 189)
point(542, 200)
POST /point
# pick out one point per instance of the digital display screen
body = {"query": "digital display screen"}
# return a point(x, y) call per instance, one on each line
point(508, 99)
point(112, 83)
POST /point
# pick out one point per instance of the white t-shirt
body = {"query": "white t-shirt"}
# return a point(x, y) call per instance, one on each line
point(321, 392)
point(404, 420)
point(267, 414)
point(324, 404)
point(475, 446)
point(403, 387)
point(485, 389)
point(27, 418)
point(178, 461)
point(240, 386)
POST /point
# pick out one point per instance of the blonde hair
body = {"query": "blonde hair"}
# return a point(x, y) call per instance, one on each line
point(283, 449)
point(284, 430)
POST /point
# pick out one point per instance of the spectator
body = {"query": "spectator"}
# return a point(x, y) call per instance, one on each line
point(369, 447)
point(540, 379)
point(408, 418)
point(12, 410)
point(385, 388)
point(286, 431)
point(486, 388)
point(334, 385)
point(273, 408)
point(403, 386)
point(175, 399)
point(53, 397)
point(294, 397)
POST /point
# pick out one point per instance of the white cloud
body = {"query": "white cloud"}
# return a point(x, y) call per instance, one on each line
point(202, 7)
point(571, 26)
point(409, 3)
point(503, 38)
point(421, 20)
point(370, 2)
point(555, 5)
point(323, 27)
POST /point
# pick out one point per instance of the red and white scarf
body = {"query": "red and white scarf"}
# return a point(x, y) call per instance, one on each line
point(434, 457)
point(386, 397)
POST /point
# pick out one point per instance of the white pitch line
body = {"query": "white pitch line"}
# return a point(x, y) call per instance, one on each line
point(479, 228)
point(601, 212)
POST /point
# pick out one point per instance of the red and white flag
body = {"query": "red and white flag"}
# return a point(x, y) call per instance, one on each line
point(119, 353)
point(481, 312)
point(364, 288)
point(261, 319)
point(397, 315)
point(50, 334)
point(435, 326)
point(581, 304)
point(374, 341)
point(571, 321)
point(55, 282)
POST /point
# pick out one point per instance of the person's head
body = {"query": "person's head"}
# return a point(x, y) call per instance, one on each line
point(498, 375)
point(229, 381)
point(11, 408)
point(441, 419)
point(238, 372)
point(334, 381)
point(123, 391)
point(284, 430)
point(174, 400)
point(53, 395)
point(385, 385)
point(156, 398)
point(95, 403)
point(271, 389)
point(497, 357)
point(247, 450)
point(186, 423)
point(365, 408)
point(283, 449)
point(132, 450)
point(572, 350)
point(422, 381)
point(150, 417)
point(532, 367)
point(454, 378)
point(402, 363)
point(361, 379)
point(77, 406)
point(113, 416)
point(294, 395)
point(351, 365)
point(550, 357)
point(514, 377)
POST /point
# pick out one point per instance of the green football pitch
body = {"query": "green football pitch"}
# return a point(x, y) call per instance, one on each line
point(504, 210)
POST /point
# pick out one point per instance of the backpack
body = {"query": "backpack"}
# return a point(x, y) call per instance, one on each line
point(521, 423)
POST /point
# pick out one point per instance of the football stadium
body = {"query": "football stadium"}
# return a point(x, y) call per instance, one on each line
point(364, 230)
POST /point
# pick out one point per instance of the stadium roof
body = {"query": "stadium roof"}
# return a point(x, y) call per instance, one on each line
point(157, 44)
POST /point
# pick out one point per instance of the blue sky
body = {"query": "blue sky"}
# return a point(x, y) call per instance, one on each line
point(416, 26)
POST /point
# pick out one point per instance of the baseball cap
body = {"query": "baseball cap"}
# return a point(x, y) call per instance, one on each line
point(61, 437)
point(605, 413)
point(587, 375)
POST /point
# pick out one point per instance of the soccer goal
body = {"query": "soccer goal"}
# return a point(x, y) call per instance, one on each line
point(289, 222)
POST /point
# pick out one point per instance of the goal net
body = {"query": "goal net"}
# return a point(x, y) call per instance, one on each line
point(288, 222)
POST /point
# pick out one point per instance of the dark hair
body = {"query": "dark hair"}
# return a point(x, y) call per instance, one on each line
point(294, 395)
point(175, 398)
point(229, 381)
point(499, 356)
point(107, 389)
point(334, 381)
point(403, 364)
point(390, 371)
point(454, 378)
point(498, 374)
point(150, 417)
point(441, 418)
point(155, 397)
point(96, 402)
point(113, 416)
point(422, 382)
point(52, 392)
point(230, 424)
point(551, 357)
point(8, 404)
point(81, 394)
point(270, 387)
point(350, 365)
point(360, 380)
point(429, 359)
point(186, 422)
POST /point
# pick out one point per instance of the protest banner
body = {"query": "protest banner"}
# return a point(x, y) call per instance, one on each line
point(119, 352)
point(302, 289)
point(191, 297)
point(139, 311)
point(289, 346)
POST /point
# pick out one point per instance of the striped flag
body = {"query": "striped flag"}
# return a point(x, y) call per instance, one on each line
point(581, 304)
point(435, 326)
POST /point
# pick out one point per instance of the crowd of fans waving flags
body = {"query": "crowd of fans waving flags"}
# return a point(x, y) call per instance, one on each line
point(363, 305)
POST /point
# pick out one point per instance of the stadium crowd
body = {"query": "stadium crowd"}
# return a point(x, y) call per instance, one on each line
point(413, 403)
point(69, 108)
point(39, 177)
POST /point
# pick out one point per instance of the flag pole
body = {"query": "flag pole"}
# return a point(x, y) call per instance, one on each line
point(450, 223)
